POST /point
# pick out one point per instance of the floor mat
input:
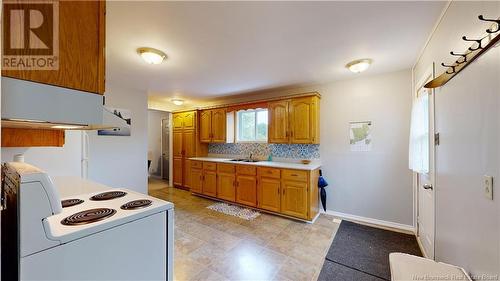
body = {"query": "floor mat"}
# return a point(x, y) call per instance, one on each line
point(232, 210)
point(332, 271)
point(367, 248)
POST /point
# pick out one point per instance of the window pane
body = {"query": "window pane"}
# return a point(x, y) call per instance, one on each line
point(247, 126)
point(261, 125)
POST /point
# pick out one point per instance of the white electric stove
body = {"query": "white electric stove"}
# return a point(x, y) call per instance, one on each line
point(117, 234)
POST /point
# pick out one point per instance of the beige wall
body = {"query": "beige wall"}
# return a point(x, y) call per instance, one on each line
point(468, 120)
point(376, 184)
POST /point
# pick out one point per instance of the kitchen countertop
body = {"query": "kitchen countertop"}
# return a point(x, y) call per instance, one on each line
point(273, 164)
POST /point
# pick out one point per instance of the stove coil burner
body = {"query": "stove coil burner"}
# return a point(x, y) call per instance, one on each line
point(108, 195)
point(88, 216)
point(71, 202)
point(136, 204)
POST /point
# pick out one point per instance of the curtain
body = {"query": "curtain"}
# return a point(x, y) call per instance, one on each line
point(419, 134)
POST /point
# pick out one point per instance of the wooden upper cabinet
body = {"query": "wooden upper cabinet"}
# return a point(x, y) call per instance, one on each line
point(189, 119)
point(177, 119)
point(206, 126)
point(303, 118)
point(278, 122)
point(213, 125)
point(81, 49)
point(219, 125)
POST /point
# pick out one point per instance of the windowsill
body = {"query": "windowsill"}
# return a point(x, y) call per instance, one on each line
point(251, 142)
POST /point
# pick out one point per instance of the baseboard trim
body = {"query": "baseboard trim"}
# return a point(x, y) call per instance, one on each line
point(405, 228)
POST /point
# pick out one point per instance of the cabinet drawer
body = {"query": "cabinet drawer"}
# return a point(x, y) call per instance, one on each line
point(296, 175)
point(246, 170)
point(209, 166)
point(269, 172)
point(196, 164)
point(225, 168)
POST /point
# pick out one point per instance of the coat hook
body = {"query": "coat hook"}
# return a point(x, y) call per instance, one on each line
point(489, 30)
point(452, 68)
point(464, 56)
point(478, 41)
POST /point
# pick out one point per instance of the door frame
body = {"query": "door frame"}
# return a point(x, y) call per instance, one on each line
point(170, 147)
point(428, 75)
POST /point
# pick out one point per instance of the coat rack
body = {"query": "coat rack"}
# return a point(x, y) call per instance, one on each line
point(478, 47)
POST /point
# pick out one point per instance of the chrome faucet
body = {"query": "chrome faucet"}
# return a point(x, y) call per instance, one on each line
point(250, 157)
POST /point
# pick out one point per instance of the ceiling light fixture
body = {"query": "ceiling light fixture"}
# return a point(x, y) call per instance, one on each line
point(177, 101)
point(358, 66)
point(151, 55)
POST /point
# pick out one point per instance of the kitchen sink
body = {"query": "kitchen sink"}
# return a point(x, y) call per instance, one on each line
point(245, 160)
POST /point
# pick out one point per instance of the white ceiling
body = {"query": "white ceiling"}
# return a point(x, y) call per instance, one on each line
point(223, 48)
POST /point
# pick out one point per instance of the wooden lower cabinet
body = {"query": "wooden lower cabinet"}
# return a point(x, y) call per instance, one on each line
point(196, 180)
point(225, 186)
point(209, 186)
point(288, 192)
point(269, 194)
point(294, 198)
point(246, 190)
point(178, 171)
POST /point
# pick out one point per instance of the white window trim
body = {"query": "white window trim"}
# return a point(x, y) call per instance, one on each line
point(237, 125)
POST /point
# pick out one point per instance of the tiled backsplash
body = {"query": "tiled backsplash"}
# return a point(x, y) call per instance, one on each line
point(296, 151)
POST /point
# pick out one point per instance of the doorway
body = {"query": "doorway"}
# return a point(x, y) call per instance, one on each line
point(165, 147)
point(424, 137)
point(159, 147)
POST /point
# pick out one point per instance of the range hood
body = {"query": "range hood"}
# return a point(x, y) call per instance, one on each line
point(27, 104)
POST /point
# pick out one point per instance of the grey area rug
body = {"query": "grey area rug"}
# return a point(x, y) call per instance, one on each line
point(233, 210)
point(365, 249)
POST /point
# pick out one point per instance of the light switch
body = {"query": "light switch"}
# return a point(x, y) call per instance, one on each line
point(488, 187)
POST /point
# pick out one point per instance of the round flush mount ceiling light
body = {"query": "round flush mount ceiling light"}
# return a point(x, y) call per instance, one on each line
point(177, 101)
point(151, 55)
point(358, 66)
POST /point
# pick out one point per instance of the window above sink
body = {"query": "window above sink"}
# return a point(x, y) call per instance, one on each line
point(251, 126)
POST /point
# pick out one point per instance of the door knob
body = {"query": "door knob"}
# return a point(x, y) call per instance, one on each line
point(427, 186)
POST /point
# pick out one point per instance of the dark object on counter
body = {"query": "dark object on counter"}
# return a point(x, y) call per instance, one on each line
point(322, 192)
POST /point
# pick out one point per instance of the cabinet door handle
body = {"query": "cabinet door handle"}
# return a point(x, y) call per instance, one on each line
point(291, 134)
point(286, 134)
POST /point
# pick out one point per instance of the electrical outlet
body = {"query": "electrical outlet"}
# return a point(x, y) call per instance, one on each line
point(488, 187)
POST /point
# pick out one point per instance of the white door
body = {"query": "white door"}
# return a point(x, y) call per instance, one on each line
point(426, 179)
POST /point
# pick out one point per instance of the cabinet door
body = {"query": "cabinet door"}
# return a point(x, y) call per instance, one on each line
point(246, 190)
point(186, 166)
point(177, 150)
point(196, 180)
point(209, 183)
point(189, 119)
point(268, 191)
point(278, 122)
point(189, 143)
point(206, 126)
point(219, 125)
point(177, 119)
point(178, 171)
point(294, 198)
point(81, 49)
point(225, 186)
point(302, 120)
